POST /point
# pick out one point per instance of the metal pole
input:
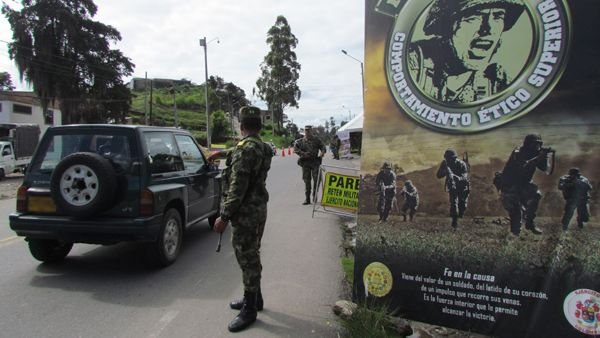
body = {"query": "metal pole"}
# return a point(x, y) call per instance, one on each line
point(204, 44)
point(175, 108)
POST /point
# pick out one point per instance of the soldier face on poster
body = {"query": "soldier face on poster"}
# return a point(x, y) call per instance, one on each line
point(472, 65)
point(486, 113)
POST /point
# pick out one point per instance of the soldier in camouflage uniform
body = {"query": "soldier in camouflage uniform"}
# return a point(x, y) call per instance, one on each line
point(455, 65)
point(310, 160)
point(244, 204)
point(457, 184)
point(520, 196)
point(386, 183)
point(576, 191)
point(411, 200)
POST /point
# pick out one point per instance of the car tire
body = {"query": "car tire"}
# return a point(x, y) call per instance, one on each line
point(170, 237)
point(83, 184)
point(49, 251)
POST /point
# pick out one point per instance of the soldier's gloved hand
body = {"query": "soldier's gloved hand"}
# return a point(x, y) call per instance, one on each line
point(220, 225)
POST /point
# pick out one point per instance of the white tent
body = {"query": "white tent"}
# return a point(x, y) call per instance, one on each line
point(353, 126)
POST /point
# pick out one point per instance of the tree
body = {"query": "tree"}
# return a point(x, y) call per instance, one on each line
point(6, 82)
point(280, 71)
point(66, 56)
point(220, 126)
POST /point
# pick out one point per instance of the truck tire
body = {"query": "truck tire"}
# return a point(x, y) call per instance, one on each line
point(49, 251)
point(165, 249)
point(83, 184)
point(2, 174)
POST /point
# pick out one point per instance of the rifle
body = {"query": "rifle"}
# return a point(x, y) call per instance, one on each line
point(543, 152)
point(382, 189)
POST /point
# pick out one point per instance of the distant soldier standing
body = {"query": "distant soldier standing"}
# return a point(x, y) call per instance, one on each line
point(308, 149)
point(386, 182)
point(520, 196)
point(245, 205)
point(457, 184)
point(576, 191)
point(411, 200)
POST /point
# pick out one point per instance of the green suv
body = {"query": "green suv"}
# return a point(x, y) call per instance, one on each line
point(104, 184)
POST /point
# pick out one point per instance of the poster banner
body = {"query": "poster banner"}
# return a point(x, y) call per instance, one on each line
point(482, 126)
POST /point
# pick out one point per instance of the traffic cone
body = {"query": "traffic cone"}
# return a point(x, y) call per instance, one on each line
point(282, 152)
point(289, 150)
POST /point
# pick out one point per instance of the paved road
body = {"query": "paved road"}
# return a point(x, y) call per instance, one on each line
point(110, 292)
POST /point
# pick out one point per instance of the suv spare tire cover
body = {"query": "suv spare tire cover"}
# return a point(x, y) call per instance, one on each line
point(83, 184)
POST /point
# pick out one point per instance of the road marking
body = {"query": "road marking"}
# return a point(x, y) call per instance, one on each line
point(7, 240)
point(166, 319)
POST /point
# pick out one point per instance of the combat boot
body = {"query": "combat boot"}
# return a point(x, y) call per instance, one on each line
point(455, 222)
point(247, 315)
point(403, 218)
point(239, 303)
point(529, 225)
point(307, 200)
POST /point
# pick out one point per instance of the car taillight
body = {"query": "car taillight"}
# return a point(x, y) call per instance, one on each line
point(146, 203)
point(22, 199)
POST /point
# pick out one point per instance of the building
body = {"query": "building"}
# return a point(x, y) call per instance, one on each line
point(138, 83)
point(25, 107)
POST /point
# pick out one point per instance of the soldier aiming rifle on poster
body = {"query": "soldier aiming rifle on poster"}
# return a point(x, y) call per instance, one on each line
point(576, 192)
point(520, 196)
point(456, 173)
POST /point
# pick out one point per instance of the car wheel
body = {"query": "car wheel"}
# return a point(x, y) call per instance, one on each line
point(49, 251)
point(167, 246)
point(83, 184)
point(2, 174)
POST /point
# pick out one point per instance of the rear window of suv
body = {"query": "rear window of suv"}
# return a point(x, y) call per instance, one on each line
point(118, 148)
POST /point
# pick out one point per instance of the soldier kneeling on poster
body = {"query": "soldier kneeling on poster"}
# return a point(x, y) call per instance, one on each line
point(457, 183)
point(411, 200)
point(386, 182)
point(576, 191)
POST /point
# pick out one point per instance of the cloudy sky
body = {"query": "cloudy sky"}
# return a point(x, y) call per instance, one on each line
point(162, 39)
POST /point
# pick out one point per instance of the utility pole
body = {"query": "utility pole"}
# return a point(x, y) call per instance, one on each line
point(146, 98)
point(173, 92)
point(204, 44)
point(151, 86)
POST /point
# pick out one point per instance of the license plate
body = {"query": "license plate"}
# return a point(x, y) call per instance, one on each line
point(41, 204)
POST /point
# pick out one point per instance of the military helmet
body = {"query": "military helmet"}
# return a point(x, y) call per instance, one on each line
point(450, 153)
point(444, 12)
point(532, 138)
point(386, 165)
point(408, 183)
point(307, 127)
point(574, 172)
point(250, 113)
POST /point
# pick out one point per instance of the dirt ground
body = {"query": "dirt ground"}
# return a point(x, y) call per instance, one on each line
point(9, 186)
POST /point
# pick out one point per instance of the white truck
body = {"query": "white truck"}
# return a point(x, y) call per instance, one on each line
point(17, 144)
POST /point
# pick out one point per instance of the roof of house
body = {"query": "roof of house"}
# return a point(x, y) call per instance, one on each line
point(29, 98)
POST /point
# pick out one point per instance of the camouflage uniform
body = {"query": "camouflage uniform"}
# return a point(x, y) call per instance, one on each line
point(245, 204)
point(576, 191)
point(431, 62)
point(310, 161)
point(520, 196)
point(457, 183)
point(411, 199)
point(386, 182)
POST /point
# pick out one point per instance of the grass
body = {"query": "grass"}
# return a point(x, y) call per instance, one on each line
point(369, 321)
point(348, 267)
